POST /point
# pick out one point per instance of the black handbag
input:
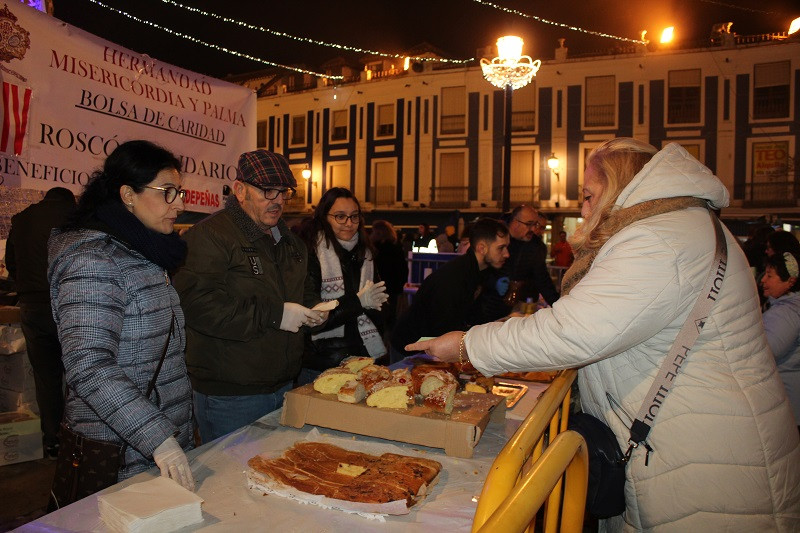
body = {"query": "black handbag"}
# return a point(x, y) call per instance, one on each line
point(85, 466)
point(605, 495)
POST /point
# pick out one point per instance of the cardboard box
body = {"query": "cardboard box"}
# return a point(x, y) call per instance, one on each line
point(457, 433)
point(11, 400)
point(16, 373)
point(9, 314)
point(12, 339)
point(20, 438)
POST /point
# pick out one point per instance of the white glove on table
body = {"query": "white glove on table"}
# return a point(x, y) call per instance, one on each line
point(172, 461)
point(373, 295)
point(296, 315)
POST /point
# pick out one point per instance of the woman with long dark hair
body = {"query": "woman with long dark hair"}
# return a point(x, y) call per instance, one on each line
point(341, 267)
point(117, 312)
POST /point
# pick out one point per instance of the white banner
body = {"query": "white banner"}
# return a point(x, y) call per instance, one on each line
point(70, 98)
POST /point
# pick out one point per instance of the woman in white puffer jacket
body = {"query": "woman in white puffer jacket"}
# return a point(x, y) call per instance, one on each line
point(726, 454)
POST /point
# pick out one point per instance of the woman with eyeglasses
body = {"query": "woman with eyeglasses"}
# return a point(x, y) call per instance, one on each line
point(341, 267)
point(118, 314)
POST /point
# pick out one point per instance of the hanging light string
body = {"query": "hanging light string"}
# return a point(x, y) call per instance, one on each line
point(215, 46)
point(567, 26)
point(277, 33)
point(742, 8)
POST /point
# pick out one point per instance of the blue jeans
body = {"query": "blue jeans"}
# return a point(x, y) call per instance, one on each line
point(219, 415)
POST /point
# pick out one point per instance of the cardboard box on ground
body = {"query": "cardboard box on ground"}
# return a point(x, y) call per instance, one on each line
point(20, 438)
point(20, 433)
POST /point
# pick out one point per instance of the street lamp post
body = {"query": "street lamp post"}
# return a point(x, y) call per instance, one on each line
point(510, 70)
point(552, 164)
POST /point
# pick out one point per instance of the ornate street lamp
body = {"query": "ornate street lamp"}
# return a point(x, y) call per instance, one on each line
point(552, 164)
point(510, 70)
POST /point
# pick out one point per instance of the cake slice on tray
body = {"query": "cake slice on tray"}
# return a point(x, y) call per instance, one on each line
point(330, 381)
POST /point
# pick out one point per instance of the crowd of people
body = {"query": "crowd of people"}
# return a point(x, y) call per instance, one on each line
point(229, 316)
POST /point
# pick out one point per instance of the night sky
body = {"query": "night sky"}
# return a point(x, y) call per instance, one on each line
point(457, 27)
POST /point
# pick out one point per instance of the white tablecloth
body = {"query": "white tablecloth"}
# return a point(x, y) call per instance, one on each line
point(219, 466)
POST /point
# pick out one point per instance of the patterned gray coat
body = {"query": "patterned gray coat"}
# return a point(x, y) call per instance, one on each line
point(113, 308)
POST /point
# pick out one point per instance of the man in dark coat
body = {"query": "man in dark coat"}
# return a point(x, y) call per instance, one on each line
point(446, 299)
point(525, 273)
point(26, 260)
point(242, 290)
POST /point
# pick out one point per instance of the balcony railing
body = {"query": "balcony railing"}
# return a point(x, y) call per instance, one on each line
point(382, 195)
point(449, 197)
point(453, 124)
point(519, 194)
point(772, 194)
point(600, 115)
point(683, 112)
point(523, 121)
point(298, 203)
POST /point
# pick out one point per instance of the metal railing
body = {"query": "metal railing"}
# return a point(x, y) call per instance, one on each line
point(543, 440)
point(772, 194)
point(382, 195)
point(449, 197)
point(600, 115)
point(453, 124)
point(520, 194)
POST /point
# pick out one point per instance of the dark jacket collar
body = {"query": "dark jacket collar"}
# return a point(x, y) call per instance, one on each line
point(251, 230)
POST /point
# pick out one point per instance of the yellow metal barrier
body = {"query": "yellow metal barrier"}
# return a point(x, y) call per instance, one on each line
point(566, 454)
point(547, 419)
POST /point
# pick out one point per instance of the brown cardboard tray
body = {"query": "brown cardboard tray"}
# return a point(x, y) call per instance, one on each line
point(457, 433)
point(9, 314)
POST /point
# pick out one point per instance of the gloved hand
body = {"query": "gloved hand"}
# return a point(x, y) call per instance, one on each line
point(373, 295)
point(172, 461)
point(296, 315)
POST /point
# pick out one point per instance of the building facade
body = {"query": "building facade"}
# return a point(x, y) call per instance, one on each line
point(430, 137)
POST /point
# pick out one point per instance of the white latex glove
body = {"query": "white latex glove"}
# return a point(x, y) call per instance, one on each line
point(172, 461)
point(296, 315)
point(373, 295)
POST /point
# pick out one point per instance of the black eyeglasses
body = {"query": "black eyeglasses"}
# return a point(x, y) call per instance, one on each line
point(170, 192)
point(272, 193)
point(531, 224)
point(341, 218)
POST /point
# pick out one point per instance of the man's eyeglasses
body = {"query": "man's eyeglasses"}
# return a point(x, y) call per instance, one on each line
point(170, 192)
point(341, 218)
point(271, 193)
point(531, 224)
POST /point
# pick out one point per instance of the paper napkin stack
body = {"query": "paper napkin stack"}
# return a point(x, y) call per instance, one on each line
point(155, 506)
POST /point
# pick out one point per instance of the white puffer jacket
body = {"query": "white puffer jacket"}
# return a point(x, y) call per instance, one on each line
point(725, 454)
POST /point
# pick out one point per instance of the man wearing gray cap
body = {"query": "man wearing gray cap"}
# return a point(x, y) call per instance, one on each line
point(243, 292)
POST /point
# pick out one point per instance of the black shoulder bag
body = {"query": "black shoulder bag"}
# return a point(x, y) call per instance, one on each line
point(605, 496)
point(85, 466)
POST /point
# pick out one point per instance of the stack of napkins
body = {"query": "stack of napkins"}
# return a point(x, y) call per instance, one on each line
point(155, 506)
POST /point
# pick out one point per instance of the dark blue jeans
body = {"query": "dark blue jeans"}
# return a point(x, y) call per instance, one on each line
point(219, 415)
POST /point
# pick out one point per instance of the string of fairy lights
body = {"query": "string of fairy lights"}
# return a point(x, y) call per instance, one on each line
point(734, 6)
point(330, 44)
point(215, 46)
point(277, 33)
point(559, 24)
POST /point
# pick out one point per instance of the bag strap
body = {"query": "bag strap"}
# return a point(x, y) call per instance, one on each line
point(152, 385)
point(679, 352)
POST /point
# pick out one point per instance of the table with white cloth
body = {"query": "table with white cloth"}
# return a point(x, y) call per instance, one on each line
point(229, 505)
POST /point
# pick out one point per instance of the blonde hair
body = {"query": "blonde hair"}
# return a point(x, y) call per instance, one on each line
point(616, 162)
